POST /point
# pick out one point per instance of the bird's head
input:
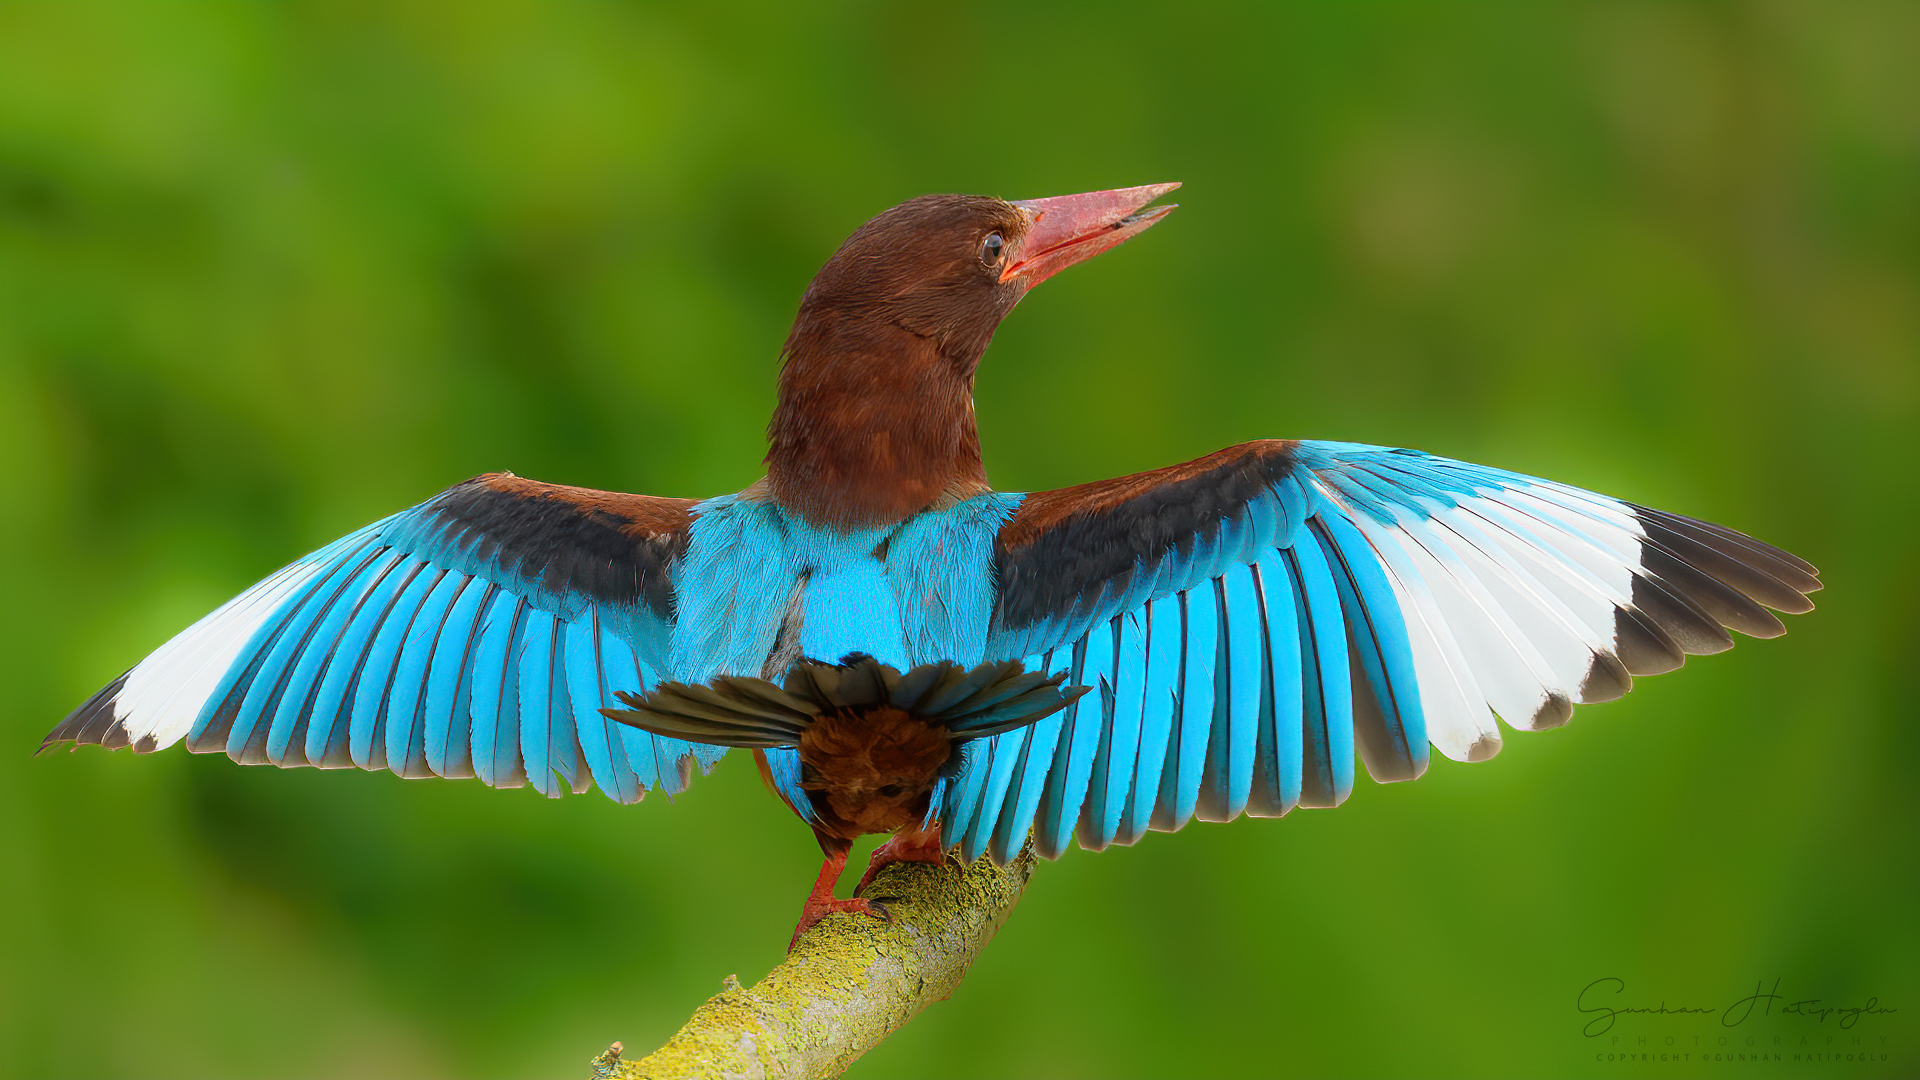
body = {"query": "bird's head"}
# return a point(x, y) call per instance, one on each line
point(875, 417)
point(946, 269)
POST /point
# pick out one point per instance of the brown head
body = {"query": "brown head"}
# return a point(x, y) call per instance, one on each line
point(875, 418)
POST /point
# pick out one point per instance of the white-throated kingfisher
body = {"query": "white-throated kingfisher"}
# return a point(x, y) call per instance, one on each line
point(908, 651)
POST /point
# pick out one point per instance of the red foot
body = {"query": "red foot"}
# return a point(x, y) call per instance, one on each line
point(821, 903)
point(820, 909)
point(924, 847)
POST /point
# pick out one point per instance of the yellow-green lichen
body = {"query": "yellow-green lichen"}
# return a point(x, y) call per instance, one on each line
point(849, 982)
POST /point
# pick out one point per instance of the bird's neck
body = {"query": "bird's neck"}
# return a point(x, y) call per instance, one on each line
point(873, 425)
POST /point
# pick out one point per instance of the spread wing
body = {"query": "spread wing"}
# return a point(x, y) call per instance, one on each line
point(477, 634)
point(1248, 620)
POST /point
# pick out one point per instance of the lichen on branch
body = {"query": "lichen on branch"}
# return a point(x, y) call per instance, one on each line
point(849, 982)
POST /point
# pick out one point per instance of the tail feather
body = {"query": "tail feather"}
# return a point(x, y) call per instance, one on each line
point(742, 711)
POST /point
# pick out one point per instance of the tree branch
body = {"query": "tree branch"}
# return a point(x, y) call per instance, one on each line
point(850, 981)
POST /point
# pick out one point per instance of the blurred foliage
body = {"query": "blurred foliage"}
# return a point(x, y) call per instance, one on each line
point(271, 270)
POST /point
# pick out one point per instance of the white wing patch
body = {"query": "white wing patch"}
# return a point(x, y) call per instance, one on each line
point(165, 693)
point(1510, 601)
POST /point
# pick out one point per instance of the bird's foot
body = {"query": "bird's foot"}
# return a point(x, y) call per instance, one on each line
point(818, 909)
point(922, 848)
point(821, 903)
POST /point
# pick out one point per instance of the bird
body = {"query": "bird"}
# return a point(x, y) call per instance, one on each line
point(911, 652)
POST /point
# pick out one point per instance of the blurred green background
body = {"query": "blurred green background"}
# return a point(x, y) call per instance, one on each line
point(273, 270)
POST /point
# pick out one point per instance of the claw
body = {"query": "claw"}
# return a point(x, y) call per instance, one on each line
point(821, 902)
point(900, 848)
point(817, 910)
point(921, 847)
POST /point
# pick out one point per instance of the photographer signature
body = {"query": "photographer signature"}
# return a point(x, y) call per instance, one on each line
point(1599, 990)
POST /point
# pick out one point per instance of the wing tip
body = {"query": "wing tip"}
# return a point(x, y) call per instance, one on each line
point(1552, 713)
point(1607, 679)
point(95, 722)
point(1485, 748)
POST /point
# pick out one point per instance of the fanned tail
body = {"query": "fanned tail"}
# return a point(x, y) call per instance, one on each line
point(741, 711)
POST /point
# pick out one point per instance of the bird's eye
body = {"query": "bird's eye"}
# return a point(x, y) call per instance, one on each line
point(893, 791)
point(991, 248)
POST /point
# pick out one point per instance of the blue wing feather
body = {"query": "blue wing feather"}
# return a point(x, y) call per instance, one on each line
point(1163, 631)
point(1282, 723)
point(1326, 750)
point(255, 677)
point(496, 694)
point(361, 681)
point(287, 732)
point(964, 794)
point(1032, 773)
point(1113, 762)
point(366, 723)
point(1239, 666)
point(1066, 787)
point(538, 713)
point(1004, 755)
point(448, 704)
point(328, 734)
point(406, 742)
point(1379, 633)
point(249, 739)
point(587, 664)
point(640, 749)
point(783, 765)
point(1193, 713)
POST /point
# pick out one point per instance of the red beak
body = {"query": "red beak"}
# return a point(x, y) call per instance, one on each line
point(1067, 229)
